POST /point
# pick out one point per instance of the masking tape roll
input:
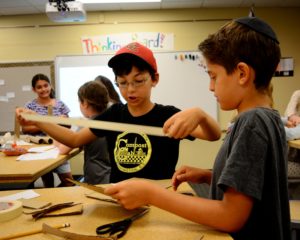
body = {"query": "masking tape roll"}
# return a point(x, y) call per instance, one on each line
point(10, 210)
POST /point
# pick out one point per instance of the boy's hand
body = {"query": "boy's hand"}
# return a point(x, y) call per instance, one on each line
point(191, 174)
point(182, 123)
point(132, 193)
point(294, 119)
point(290, 124)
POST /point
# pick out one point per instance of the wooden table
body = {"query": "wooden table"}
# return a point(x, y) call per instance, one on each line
point(20, 174)
point(295, 210)
point(295, 217)
point(156, 224)
point(294, 143)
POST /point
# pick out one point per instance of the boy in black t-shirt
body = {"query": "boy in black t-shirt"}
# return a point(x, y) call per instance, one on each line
point(135, 154)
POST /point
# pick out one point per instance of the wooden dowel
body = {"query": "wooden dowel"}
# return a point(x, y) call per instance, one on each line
point(23, 234)
point(17, 129)
point(50, 110)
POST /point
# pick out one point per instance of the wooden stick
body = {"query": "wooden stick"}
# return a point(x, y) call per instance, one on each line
point(17, 130)
point(105, 125)
point(50, 110)
point(23, 234)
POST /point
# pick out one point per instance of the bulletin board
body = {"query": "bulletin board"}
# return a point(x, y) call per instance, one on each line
point(16, 90)
point(183, 80)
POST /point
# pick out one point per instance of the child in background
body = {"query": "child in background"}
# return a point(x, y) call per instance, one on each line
point(248, 183)
point(112, 93)
point(45, 98)
point(135, 154)
point(292, 132)
point(292, 117)
point(93, 100)
point(292, 111)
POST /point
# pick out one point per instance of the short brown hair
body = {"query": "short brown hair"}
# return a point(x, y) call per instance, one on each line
point(95, 94)
point(235, 43)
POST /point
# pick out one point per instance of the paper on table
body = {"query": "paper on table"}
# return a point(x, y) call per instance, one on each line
point(40, 149)
point(28, 194)
point(50, 154)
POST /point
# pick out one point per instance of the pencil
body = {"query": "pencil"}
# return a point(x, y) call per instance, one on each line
point(23, 234)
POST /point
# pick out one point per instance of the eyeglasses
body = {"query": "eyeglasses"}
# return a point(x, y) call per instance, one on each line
point(135, 83)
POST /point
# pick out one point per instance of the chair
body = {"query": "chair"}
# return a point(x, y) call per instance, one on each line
point(295, 226)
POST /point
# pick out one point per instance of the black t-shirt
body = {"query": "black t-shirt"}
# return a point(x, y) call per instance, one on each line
point(252, 160)
point(138, 154)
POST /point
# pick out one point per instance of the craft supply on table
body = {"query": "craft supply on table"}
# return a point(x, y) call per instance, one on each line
point(73, 236)
point(40, 230)
point(41, 139)
point(41, 149)
point(104, 125)
point(35, 154)
point(97, 196)
point(10, 209)
point(56, 210)
point(98, 189)
point(27, 194)
point(34, 203)
point(119, 229)
point(13, 150)
point(17, 129)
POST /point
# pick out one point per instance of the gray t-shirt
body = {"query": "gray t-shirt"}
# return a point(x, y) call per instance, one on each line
point(252, 160)
point(96, 166)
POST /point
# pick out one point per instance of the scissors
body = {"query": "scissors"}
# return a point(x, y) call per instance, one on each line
point(119, 229)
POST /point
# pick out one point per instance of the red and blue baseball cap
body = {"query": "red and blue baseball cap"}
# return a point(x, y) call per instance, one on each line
point(138, 50)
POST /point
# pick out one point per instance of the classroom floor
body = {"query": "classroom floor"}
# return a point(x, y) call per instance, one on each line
point(39, 183)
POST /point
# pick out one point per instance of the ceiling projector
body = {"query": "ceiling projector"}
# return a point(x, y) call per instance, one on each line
point(65, 11)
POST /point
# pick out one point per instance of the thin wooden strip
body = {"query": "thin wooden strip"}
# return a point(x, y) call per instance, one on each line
point(104, 125)
point(31, 232)
point(17, 129)
point(98, 189)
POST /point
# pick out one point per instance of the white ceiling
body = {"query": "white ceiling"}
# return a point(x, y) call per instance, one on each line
point(20, 7)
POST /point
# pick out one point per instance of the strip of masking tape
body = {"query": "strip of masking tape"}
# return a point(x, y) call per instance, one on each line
point(104, 125)
point(10, 210)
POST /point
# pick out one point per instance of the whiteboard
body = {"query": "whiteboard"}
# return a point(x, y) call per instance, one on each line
point(182, 83)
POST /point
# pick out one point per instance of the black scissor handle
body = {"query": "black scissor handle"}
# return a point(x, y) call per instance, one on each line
point(107, 228)
point(117, 228)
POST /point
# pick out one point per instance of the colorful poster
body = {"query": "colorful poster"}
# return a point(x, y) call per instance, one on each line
point(113, 42)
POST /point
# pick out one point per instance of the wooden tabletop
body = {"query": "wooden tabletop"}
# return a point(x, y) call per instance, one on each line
point(294, 143)
point(156, 224)
point(295, 209)
point(26, 172)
